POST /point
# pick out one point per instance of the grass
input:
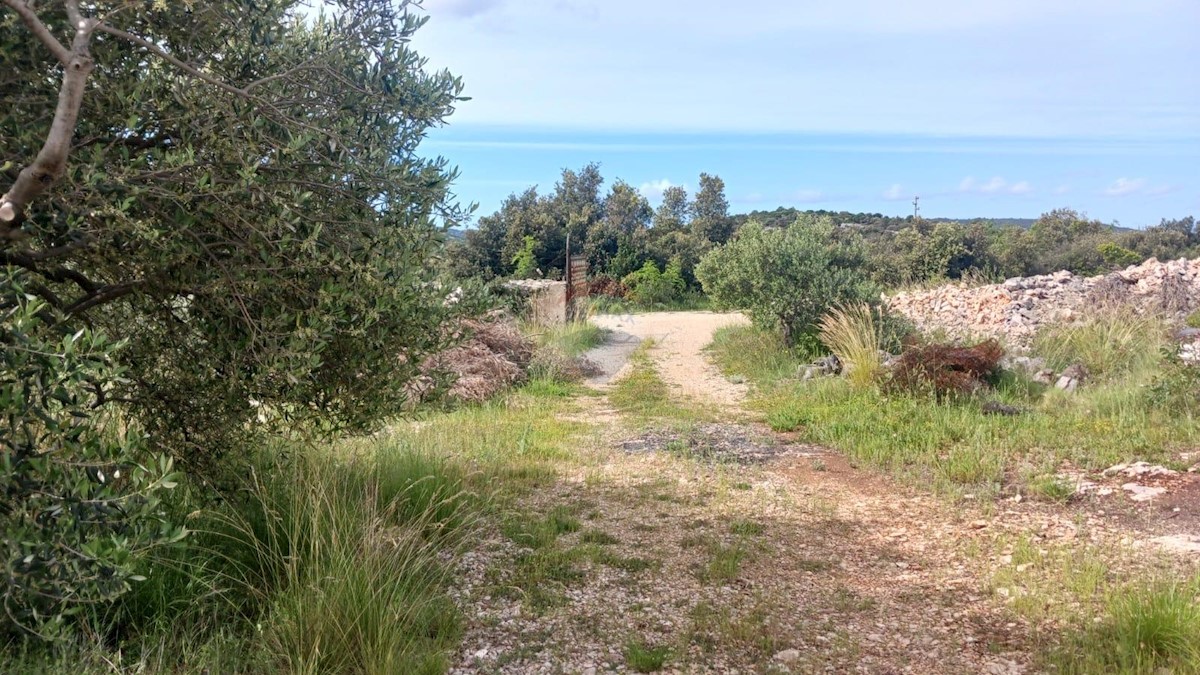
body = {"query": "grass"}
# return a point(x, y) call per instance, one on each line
point(724, 563)
point(757, 355)
point(1112, 344)
point(644, 395)
point(572, 338)
point(852, 334)
point(953, 446)
point(644, 658)
point(1146, 629)
point(335, 558)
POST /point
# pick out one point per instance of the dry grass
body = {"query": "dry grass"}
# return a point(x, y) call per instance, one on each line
point(852, 334)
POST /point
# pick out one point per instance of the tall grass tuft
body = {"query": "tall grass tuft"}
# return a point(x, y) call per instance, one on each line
point(344, 555)
point(1112, 343)
point(852, 334)
point(1150, 629)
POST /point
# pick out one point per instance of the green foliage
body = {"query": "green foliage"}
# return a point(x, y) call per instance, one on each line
point(1118, 256)
point(787, 278)
point(650, 287)
point(80, 507)
point(265, 257)
point(525, 264)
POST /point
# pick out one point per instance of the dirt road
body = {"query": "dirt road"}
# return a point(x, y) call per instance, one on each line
point(716, 546)
point(679, 339)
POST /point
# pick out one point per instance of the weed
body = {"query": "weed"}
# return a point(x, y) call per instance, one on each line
point(1051, 488)
point(747, 528)
point(597, 537)
point(724, 564)
point(1149, 629)
point(643, 658)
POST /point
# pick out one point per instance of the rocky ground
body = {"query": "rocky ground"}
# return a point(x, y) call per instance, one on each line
point(723, 547)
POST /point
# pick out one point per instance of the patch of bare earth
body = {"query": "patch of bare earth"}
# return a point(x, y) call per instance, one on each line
point(738, 550)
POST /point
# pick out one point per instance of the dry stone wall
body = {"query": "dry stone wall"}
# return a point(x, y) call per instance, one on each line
point(1014, 310)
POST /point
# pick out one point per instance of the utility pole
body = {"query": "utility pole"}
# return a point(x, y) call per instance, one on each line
point(916, 208)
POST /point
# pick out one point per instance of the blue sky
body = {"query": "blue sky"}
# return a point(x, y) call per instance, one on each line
point(1003, 108)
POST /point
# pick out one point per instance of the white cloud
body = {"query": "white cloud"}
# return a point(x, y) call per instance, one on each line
point(653, 190)
point(894, 193)
point(1062, 189)
point(1129, 187)
point(1122, 187)
point(996, 185)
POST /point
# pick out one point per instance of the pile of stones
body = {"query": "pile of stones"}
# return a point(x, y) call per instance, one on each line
point(1014, 310)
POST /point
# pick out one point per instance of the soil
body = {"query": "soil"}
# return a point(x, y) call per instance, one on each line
point(842, 569)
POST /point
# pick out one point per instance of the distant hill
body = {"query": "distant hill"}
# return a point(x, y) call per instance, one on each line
point(876, 222)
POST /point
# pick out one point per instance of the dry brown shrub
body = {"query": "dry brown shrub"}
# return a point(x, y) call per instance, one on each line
point(607, 286)
point(492, 357)
point(945, 369)
point(1110, 293)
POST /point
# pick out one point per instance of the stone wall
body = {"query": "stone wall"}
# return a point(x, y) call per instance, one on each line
point(545, 301)
point(1014, 310)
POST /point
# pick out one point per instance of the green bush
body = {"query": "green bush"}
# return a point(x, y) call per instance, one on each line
point(787, 278)
point(650, 287)
point(80, 506)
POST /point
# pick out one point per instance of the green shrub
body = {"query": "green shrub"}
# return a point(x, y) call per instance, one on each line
point(80, 496)
point(787, 278)
point(650, 287)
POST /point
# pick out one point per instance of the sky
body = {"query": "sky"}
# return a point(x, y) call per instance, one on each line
point(982, 108)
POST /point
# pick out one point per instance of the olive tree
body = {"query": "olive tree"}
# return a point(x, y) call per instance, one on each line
point(786, 278)
point(232, 187)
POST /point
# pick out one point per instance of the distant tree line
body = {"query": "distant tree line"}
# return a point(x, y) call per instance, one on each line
point(622, 236)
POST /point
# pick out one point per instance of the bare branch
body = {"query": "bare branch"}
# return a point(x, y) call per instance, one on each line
point(35, 26)
point(51, 160)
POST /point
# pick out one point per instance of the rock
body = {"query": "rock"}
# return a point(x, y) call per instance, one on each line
point(788, 656)
point(1140, 470)
point(1077, 372)
point(1045, 377)
point(998, 408)
point(1026, 364)
point(1067, 384)
point(1143, 493)
point(1179, 543)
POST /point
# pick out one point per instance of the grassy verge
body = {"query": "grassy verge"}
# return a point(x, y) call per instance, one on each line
point(333, 559)
point(955, 446)
point(572, 339)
